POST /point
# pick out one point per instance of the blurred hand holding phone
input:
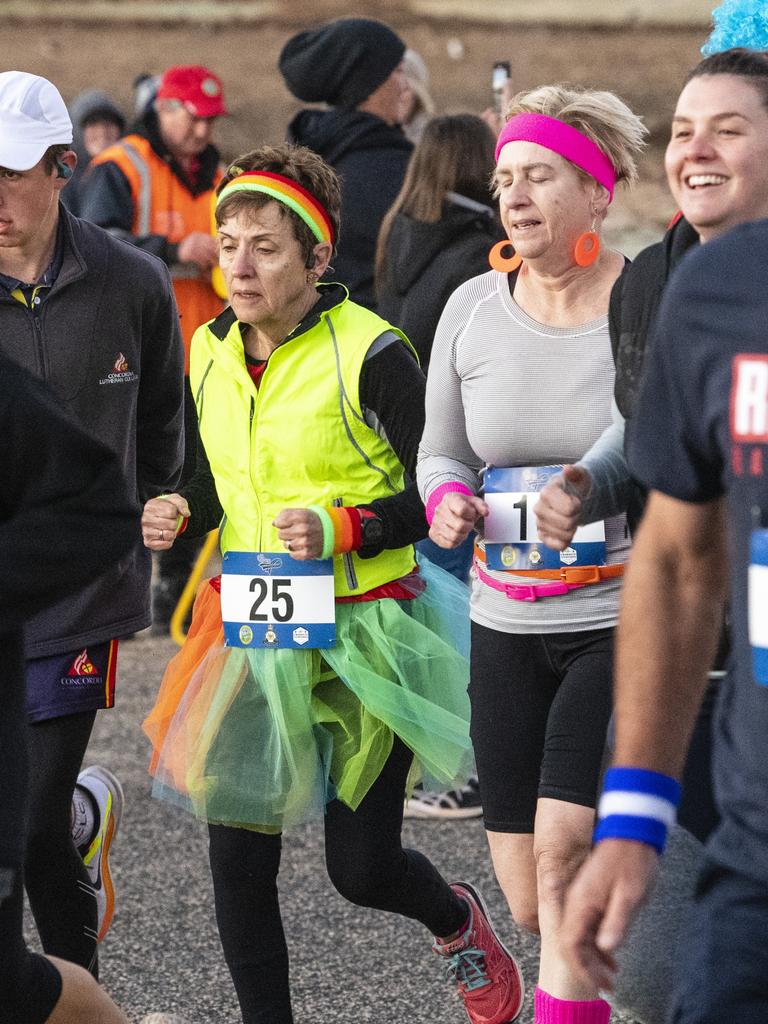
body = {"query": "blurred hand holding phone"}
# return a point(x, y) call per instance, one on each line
point(501, 84)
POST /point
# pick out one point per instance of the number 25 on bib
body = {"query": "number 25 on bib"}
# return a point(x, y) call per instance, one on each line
point(269, 599)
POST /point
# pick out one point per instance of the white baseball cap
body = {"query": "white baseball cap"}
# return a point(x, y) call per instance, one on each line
point(33, 116)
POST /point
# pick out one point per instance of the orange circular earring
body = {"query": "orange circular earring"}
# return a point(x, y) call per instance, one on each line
point(587, 249)
point(504, 264)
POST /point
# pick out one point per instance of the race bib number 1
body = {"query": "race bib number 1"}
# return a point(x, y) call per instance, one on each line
point(511, 537)
point(269, 599)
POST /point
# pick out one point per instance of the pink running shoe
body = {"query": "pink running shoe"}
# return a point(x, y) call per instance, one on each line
point(489, 981)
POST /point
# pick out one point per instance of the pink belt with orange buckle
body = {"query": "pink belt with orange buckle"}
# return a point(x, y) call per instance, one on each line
point(552, 588)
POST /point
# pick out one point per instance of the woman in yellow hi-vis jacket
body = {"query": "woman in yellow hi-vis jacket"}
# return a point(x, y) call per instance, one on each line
point(325, 662)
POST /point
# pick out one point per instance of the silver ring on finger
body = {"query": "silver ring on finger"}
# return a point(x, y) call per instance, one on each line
point(161, 534)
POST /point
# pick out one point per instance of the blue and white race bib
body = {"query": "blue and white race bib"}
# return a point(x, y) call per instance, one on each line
point(511, 536)
point(269, 599)
point(758, 605)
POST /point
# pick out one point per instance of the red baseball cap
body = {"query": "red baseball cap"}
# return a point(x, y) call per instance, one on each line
point(199, 89)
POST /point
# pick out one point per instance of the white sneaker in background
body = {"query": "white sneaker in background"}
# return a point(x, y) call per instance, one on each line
point(106, 793)
point(162, 1018)
point(452, 805)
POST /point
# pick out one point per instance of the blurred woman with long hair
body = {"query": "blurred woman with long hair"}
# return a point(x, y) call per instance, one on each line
point(440, 228)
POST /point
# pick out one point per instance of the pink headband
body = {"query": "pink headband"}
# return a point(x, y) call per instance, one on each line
point(563, 139)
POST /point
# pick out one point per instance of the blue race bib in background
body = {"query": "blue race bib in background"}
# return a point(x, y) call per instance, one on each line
point(758, 605)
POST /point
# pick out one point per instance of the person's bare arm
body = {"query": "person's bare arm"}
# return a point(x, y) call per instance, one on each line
point(82, 1000)
point(668, 629)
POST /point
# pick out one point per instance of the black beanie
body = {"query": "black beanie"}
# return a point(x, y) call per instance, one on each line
point(341, 63)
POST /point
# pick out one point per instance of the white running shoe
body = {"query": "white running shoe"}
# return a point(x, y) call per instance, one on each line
point(162, 1018)
point(451, 805)
point(107, 796)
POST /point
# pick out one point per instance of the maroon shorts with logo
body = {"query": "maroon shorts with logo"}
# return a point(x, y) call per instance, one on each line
point(64, 684)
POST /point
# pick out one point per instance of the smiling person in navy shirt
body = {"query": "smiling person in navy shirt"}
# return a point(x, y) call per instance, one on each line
point(700, 447)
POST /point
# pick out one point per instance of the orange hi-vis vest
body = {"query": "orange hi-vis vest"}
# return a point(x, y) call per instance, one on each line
point(162, 205)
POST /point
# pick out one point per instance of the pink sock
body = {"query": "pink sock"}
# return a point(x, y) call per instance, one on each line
point(569, 1011)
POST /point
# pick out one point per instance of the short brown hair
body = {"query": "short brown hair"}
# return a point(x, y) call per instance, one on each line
point(300, 165)
point(52, 155)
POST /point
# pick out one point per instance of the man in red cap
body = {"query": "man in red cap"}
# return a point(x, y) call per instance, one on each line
point(155, 188)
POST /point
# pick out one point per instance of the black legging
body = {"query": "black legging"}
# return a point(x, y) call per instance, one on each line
point(64, 911)
point(29, 984)
point(366, 863)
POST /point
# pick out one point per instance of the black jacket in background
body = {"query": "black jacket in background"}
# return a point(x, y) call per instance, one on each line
point(65, 512)
point(633, 309)
point(82, 107)
point(634, 305)
point(371, 157)
point(426, 263)
point(106, 341)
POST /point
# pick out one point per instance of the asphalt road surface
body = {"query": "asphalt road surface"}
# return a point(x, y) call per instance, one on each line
point(348, 965)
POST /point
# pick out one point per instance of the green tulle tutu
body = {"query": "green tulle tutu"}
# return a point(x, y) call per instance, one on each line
point(264, 739)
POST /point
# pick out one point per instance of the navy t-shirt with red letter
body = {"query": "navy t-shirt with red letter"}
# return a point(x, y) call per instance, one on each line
point(701, 432)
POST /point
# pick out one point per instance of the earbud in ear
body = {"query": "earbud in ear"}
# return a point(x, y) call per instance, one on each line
point(63, 170)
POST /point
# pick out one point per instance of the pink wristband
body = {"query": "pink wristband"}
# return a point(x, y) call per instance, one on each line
point(449, 487)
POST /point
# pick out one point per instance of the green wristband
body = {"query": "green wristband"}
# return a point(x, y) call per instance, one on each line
point(329, 535)
point(179, 517)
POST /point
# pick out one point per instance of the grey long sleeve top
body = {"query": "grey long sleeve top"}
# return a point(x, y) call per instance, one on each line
point(504, 390)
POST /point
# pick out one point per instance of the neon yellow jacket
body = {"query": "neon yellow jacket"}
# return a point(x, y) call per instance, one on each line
point(300, 439)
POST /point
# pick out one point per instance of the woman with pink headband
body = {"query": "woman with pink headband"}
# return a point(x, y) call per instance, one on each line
point(520, 383)
point(324, 666)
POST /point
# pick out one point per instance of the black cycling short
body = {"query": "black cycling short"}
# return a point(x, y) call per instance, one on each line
point(541, 703)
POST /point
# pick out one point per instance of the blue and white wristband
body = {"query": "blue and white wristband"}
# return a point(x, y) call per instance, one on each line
point(637, 804)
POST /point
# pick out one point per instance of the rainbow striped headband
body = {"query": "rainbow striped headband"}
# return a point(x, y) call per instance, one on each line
point(289, 193)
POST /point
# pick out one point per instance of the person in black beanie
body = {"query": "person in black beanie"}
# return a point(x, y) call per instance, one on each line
point(355, 66)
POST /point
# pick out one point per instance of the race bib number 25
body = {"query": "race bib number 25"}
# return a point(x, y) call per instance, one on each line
point(269, 599)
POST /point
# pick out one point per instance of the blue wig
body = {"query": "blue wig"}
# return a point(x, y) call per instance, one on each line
point(738, 23)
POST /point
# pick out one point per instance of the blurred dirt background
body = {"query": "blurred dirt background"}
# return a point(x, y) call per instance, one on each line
point(644, 63)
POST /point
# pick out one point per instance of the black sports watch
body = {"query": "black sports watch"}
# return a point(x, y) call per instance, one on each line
point(372, 532)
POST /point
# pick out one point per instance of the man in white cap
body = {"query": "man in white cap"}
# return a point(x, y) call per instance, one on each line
point(96, 319)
